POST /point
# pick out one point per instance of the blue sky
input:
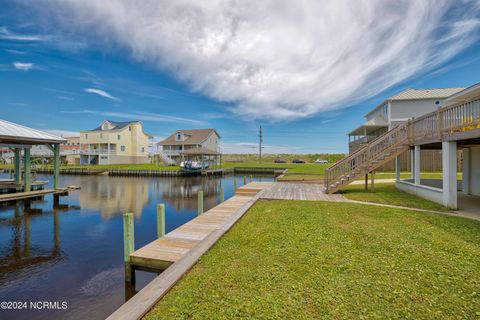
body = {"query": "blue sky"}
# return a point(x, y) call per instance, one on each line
point(60, 71)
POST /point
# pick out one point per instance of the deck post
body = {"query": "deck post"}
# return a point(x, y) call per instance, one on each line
point(416, 166)
point(398, 168)
point(244, 180)
point(235, 184)
point(160, 220)
point(200, 202)
point(449, 168)
point(372, 183)
point(466, 171)
point(17, 165)
point(222, 194)
point(366, 181)
point(412, 163)
point(56, 164)
point(26, 178)
point(128, 246)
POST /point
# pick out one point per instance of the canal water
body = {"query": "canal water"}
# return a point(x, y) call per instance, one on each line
point(70, 255)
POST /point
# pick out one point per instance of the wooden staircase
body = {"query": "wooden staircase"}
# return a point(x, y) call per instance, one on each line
point(368, 158)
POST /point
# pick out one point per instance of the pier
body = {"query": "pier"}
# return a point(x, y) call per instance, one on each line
point(180, 249)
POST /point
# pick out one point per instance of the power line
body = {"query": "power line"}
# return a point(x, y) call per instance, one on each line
point(260, 144)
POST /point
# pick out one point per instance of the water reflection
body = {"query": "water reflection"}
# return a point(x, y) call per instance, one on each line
point(71, 248)
point(111, 196)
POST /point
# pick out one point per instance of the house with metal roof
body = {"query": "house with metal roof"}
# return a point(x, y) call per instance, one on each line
point(115, 143)
point(189, 142)
point(408, 104)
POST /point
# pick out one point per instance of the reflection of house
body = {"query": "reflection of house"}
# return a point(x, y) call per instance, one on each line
point(181, 192)
point(115, 143)
point(114, 198)
point(182, 140)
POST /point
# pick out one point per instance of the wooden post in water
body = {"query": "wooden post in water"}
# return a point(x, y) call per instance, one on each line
point(244, 180)
point(200, 202)
point(366, 181)
point(26, 170)
point(56, 165)
point(128, 246)
point(160, 220)
point(235, 185)
point(17, 165)
point(222, 194)
point(251, 178)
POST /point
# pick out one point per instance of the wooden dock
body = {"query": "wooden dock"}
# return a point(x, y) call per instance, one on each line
point(161, 253)
point(30, 194)
point(300, 191)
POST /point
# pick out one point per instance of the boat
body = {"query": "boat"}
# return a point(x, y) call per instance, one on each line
point(193, 165)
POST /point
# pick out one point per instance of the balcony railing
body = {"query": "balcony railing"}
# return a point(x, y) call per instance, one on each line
point(97, 151)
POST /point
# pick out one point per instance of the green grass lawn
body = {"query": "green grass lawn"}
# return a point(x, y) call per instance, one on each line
point(386, 193)
point(293, 168)
point(306, 260)
point(147, 166)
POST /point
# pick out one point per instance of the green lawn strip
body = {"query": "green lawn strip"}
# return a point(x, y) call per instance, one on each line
point(305, 260)
point(300, 177)
point(387, 193)
point(303, 168)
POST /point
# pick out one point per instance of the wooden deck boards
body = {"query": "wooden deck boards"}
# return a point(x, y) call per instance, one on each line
point(299, 191)
point(177, 243)
point(25, 195)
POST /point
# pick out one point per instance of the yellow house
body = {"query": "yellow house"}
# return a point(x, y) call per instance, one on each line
point(115, 143)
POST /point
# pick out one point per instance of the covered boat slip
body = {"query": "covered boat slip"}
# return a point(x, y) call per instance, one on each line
point(20, 140)
point(200, 158)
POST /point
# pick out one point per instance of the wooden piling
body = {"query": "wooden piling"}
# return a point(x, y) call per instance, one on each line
point(160, 220)
point(128, 245)
point(251, 178)
point(235, 184)
point(200, 202)
point(366, 181)
point(244, 180)
point(222, 194)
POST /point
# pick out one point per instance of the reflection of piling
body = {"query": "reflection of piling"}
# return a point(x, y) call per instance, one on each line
point(222, 194)
point(160, 220)
point(200, 202)
point(128, 245)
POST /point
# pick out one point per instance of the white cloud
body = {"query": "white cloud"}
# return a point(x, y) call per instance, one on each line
point(281, 59)
point(24, 66)
point(141, 116)
point(101, 93)
point(9, 35)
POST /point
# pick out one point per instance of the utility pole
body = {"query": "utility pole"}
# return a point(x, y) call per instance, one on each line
point(260, 144)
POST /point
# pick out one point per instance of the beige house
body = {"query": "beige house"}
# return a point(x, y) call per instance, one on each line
point(203, 140)
point(115, 143)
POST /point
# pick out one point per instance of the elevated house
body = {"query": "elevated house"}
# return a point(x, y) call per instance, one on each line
point(115, 143)
point(192, 142)
point(452, 129)
point(408, 104)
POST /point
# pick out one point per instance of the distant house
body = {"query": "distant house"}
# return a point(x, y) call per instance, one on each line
point(203, 140)
point(69, 151)
point(115, 143)
point(408, 104)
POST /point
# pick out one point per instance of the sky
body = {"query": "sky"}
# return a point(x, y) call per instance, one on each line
point(306, 71)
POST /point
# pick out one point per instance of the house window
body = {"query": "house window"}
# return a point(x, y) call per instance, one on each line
point(122, 148)
point(143, 149)
point(118, 137)
point(130, 128)
point(179, 136)
point(101, 136)
point(437, 102)
point(86, 135)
